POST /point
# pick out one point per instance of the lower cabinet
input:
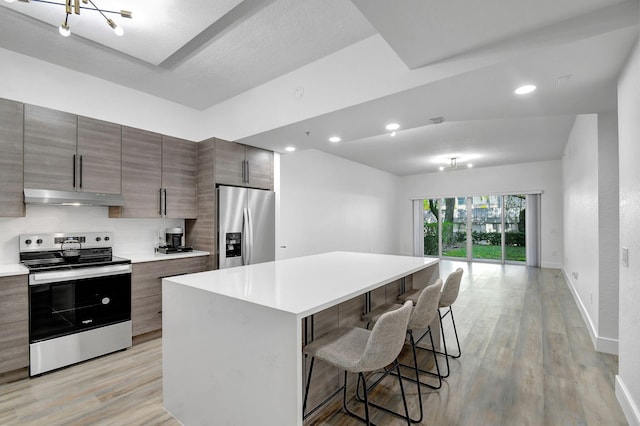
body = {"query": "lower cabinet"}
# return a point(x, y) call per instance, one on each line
point(14, 323)
point(146, 289)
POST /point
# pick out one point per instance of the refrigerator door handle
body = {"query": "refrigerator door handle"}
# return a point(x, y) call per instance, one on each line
point(249, 238)
point(245, 226)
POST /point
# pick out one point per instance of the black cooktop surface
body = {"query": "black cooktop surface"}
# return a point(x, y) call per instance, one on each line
point(53, 260)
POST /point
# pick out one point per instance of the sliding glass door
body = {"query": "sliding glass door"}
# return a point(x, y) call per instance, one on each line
point(488, 228)
point(515, 228)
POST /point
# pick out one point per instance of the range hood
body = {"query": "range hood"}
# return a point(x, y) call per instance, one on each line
point(71, 198)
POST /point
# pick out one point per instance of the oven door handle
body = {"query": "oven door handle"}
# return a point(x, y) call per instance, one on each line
point(37, 278)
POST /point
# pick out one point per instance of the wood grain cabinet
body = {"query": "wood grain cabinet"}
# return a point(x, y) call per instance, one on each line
point(158, 176)
point(14, 323)
point(141, 174)
point(146, 289)
point(179, 178)
point(242, 165)
point(11, 163)
point(65, 152)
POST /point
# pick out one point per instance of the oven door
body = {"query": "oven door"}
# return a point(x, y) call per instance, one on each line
point(69, 301)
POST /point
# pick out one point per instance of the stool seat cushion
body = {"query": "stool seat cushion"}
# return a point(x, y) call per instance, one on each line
point(341, 347)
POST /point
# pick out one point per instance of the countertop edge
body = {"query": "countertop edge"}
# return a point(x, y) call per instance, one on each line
point(13, 269)
point(153, 257)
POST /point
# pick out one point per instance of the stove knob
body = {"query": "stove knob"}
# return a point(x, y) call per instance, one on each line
point(27, 242)
point(106, 238)
point(39, 241)
point(98, 239)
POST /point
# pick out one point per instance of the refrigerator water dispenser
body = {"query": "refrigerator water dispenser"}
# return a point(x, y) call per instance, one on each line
point(234, 244)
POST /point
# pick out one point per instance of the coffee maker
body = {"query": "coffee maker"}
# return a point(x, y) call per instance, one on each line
point(173, 241)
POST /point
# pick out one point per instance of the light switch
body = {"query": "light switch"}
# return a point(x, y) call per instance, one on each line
point(625, 257)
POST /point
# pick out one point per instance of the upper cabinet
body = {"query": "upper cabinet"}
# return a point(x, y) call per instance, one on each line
point(242, 165)
point(11, 184)
point(179, 178)
point(158, 176)
point(141, 174)
point(65, 152)
point(99, 156)
point(50, 141)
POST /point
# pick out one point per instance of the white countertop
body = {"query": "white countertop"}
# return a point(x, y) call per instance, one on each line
point(306, 285)
point(151, 256)
point(11, 269)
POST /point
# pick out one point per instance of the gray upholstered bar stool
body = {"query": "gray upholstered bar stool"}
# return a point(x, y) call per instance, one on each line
point(450, 292)
point(356, 350)
point(422, 315)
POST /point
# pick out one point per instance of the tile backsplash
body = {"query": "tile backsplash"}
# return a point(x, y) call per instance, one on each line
point(129, 235)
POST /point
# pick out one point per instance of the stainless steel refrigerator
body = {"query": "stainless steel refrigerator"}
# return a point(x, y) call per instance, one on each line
point(246, 226)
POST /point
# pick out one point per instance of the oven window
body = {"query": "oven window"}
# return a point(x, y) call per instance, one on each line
point(58, 309)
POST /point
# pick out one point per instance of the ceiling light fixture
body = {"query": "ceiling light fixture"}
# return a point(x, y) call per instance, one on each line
point(393, 126)
point(334, 139)
point(74, 7)
point(453, 165)
point(290, 148)
point(523, 90)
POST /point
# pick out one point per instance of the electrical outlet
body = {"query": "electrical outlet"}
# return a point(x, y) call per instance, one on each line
point(625, 257)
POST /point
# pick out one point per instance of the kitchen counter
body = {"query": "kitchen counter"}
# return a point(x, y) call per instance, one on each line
point(12, 269)
point(232, 338)
point(151, 257)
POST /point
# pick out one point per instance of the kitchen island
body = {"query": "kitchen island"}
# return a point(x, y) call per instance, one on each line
point(232, 338)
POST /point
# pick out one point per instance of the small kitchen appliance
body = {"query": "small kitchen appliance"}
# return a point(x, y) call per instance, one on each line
point(173, 241)
point(79, 298)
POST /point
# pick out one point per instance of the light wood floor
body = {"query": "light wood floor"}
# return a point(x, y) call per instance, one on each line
point(527, 360)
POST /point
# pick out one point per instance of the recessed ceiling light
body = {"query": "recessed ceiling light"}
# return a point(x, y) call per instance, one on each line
point(393, 126)
point(290, 148)
point(469, 165)
point(334, 139)
point(523, 90)
point(393, 133)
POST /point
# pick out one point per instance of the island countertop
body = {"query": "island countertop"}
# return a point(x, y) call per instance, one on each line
point(232, 338)
point(306, 285)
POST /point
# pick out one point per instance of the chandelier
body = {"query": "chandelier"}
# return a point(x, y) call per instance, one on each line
point(453, 165)
point(74, 7)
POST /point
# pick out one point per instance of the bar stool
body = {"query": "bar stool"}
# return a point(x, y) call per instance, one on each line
point(356, 350)
point(422, 315)
point(450, 292)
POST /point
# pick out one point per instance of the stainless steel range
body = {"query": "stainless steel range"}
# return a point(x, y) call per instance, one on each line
point(79, 298)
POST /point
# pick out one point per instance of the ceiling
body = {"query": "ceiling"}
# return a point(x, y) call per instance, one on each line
point(459, 60)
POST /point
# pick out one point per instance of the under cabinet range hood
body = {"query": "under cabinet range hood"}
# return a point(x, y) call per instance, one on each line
point(71, 198)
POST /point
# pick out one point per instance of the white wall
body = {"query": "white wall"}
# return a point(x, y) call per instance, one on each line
point(628, 379)
point(129, 235)
point(514, 179)
point(36, 82)
point(580, 183)
point(328, 203)
point(608, 230)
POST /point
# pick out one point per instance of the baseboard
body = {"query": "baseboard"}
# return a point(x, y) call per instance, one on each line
point(607, 345)
point(628, 405)
point(551, 265)
point(601, 344)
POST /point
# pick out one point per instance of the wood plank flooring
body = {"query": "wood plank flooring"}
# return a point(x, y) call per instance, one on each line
point(527, 360)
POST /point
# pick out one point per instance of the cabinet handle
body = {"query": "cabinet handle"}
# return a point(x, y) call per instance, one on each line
point(81, 172)
point(165, 201)
point(247, 162)
point(74, 171)
point(160, 203)
point(243, 172)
